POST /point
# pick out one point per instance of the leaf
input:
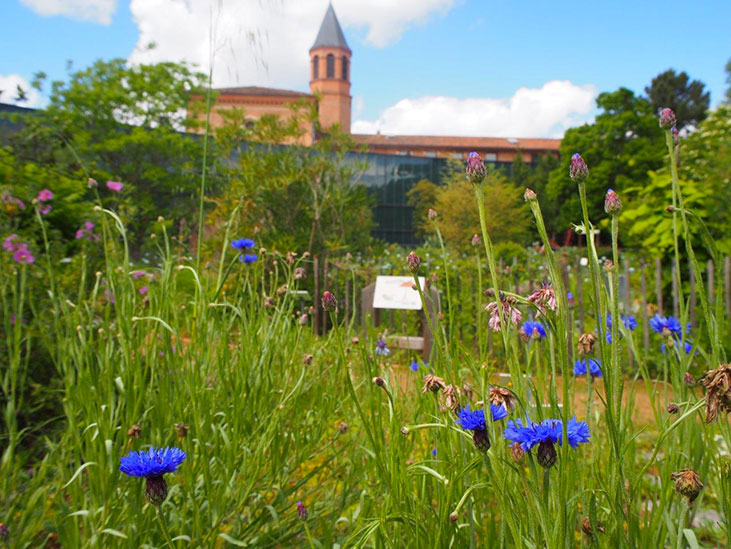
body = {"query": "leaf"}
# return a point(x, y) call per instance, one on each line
point(690, 536)
point(113, 532)
point(78, 472)
point(233, 541)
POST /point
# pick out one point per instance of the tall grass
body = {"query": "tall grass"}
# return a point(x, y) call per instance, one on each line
point(214, 361)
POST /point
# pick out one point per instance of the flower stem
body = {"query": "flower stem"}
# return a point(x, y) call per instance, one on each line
point(163, 526)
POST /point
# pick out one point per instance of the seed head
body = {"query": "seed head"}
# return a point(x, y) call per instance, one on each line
point(329, 303)
point(450, 398)
point(283, 290)
point(453, 517)
point(134, 431)
point(307, 359)
point(667, 118)
point(355, 340)
point(182, 429)
point(299, 273)
point(500, 396)
point(586, 343)
point(413, 263)
point(475, 169)
point(404, 431)
point(578, 170)
point(343, 427)
point(687, 483)
point(586, 527)
point(718, 391)
point(612, 205)
point(529, 195)
point(433, 383)
point(609, 265)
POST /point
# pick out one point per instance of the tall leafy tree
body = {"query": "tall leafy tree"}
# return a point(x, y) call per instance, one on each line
point(688, 98)
point(620, 147)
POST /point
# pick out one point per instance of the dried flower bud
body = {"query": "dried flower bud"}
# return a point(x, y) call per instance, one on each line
point(718, 391)
point(672, 408)
point(305, 255)
point(688, 380)
point(450, 398)
point(92, 183)
point(413, 263)
point(4, 531)
point(453, 517)
point(476, 240)
point(667, 118)
point(307, 359)
point(379, 381)
point(475, 169)
point(343, 427)
point(490, 292)
point(134, 431)
point(329, 303)
point(578, 170)
point(670, 208)
point(433, 383)
point(299, 273)
point(500, 396)
point(302, 321)
point(517, 453)
point(405, 431)
point(431, 214)
point(355, 340)
point(586, 343)
point(612, 205)
point(529, 195)
point(609, 265)
point(282, 290)
point(268, 302)
point(290, 257)
point(586, 527)
point(182, 429)
point(687, 483)
point(546, 454)
point(302, 511)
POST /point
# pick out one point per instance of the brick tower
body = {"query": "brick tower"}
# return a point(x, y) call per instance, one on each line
point(330, 73)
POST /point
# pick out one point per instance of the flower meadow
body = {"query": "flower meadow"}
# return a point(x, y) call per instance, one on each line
point(196, 406)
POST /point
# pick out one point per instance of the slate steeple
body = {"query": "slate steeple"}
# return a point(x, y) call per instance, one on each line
point(330, 35)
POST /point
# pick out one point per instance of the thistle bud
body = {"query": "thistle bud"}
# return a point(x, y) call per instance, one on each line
point(302, 511)
point(475, 169)
point(609, 265)
point(667, 118)
point(182, 429)
point(134, 431)
point(156, 490)
point(672, 408)
point(481, 439)
point(517, 452)
point(586, 343)
point(379, 381)
point(404, 431)
point(687, 483)
point(547, 454)
point(343, 427)
point(453, 517)
point(431, 214)
point(329, 303)
point(476, 240)
point(529, 195)
point(92, 183)
point(302, 321)
point(670, 208)
point(413, 263)
point(578, 170)
point(612, 205)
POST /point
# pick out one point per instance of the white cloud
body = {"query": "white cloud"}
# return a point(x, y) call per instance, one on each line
point(263, 43)
point(9, 91)
point(96, 11)
point(544, 112)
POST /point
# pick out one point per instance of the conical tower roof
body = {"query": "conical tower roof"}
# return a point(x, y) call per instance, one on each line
point(330, 35)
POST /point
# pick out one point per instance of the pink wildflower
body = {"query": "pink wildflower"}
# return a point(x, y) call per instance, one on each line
point(9, 244)
point(115, 186)
point(45, 210)
point(22, 255)
point(45, 195)
point(542, 298)
point(510, 314)
point(144, 290)
point(138, 274)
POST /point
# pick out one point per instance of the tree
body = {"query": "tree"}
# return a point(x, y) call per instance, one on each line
point(620, 147)
point(687, 98)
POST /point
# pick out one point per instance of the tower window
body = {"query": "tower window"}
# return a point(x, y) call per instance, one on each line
point(316, 67)
point(330, 65)
point(345, 68)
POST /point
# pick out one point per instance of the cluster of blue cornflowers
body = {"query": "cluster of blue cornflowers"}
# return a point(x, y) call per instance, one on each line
point(630, 323)
point(532, 330)
point(592, 365)
point(670, 328)
point(545, 435)
point(245, 246)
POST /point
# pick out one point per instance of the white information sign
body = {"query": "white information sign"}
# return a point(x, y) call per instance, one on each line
point(397, 292)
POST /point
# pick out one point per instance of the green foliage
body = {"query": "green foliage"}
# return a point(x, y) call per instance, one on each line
point(686, 97)
point(620, 148)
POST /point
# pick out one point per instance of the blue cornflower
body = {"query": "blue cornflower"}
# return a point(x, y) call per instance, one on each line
point(152, 465)
point(434, 452)
point(474, 420)
point(242, 243)
point(630, 322)
point(248, 258)
point(414, 366)
point(545, 434)
point(533, 329)
point(594, 367)
point(666, 326)
point(382, 348)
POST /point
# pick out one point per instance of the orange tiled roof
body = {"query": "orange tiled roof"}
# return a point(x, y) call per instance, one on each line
point(258, 90)
point(454, 143)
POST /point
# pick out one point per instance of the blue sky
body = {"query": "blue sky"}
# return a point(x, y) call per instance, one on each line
point(419, 66)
